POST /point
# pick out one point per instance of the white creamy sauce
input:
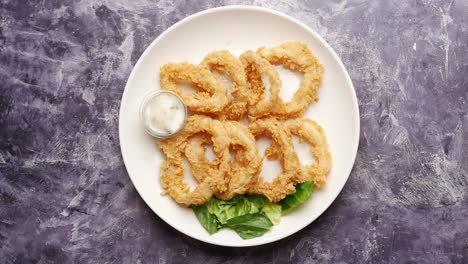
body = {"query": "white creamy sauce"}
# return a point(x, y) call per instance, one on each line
point(164, 114)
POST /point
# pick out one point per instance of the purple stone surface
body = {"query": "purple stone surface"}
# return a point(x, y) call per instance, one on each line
point(65, 195)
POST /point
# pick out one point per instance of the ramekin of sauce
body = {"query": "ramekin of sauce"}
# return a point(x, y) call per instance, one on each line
point(163, 114)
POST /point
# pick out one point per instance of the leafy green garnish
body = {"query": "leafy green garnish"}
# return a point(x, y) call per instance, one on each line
point(272, 211)
point(250, 225)
point(302, 194)
point(237, 206)
point(257, 200)
point(207, 220)
point(249, 215)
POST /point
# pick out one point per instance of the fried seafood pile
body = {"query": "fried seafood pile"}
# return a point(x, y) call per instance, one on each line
point(216, 121)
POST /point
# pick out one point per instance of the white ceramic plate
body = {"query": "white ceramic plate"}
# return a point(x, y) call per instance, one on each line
point(239, 28)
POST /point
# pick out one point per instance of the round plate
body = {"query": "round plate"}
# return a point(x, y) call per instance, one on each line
point(238, 28)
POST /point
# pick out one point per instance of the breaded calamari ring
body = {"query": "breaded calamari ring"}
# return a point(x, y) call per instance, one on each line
point(211, 95)
point(309, 131)
point(172, 170)
point(247, 162)
point(261, 105)
point(226, 63)
point(284, 183)
point(244, 168)
point(195, 150)
point(296, 56)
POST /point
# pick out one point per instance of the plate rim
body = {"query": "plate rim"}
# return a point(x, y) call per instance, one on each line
point(300, 24)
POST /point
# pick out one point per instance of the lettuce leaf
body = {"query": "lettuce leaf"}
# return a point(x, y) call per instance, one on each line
point(250, 225)
point(237, 206)
point(206, 219)
point(257, 200)
point(249, 215)
point(302, 194)
point(272, 211)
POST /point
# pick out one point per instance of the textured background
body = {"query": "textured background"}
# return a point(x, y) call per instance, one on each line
point(64, 192)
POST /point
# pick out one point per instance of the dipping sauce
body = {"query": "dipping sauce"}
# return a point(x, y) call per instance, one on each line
point(163, 114)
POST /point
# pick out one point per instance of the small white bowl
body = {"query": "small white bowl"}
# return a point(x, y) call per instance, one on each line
point(144, 104)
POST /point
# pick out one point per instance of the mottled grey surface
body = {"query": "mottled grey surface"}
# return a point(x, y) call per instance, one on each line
point(64, 192)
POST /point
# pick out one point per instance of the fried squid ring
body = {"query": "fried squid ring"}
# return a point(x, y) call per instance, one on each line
point(296, 56)
point(211, 95)
point(226, 63)
point(172, 170)
point(244, 168)
point(247, 162)
point(259, 103)
point(309, 131)
point(195, 150)
point(283, 184)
